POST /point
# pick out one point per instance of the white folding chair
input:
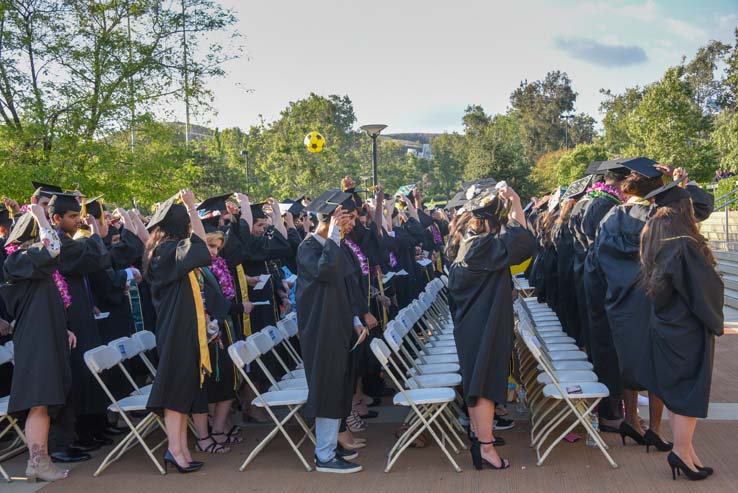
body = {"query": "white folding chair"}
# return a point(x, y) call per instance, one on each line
point(288, 327)
point(147, 341)
point(395, 341)
point(264, 342)
point(129, 349)
point(427, 406)
point(245, 352)
point(8, 423)
point(104, 358)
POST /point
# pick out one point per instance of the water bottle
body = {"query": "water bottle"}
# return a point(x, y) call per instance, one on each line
point(595, 422)
point(520, 406)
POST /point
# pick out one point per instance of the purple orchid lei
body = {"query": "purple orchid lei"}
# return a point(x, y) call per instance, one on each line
point(436, 234)
point(359, 255)
point(393, 260)
point(225, 279)
point(602, 189)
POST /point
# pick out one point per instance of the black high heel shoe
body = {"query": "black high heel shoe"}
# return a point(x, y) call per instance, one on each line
point(678, 466)
point(499, 441)
point(479, 461)
point(653, 440)
point(169, 459)
point(626, 430)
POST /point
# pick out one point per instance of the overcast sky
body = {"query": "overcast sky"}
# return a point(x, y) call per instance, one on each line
point(416, 64)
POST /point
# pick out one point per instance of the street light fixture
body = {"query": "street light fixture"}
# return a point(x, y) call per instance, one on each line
point(373, 131)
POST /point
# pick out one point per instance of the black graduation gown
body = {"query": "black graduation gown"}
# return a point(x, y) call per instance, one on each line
point(405, 251)
point(78, 259)
point(580, 245)
point(685, 318)
point(325, 323)
point(567, 297)
point(220, 385)
point(177, 383)
point(551, 277)
point(601, 348)
point(42, 376)
point(6, 370)
point(480, 286)
point(618, 251)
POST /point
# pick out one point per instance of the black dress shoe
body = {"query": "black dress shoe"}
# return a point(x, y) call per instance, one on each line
point(70, 455)
point(369, 415)
point(88, 445)
point(374, 402)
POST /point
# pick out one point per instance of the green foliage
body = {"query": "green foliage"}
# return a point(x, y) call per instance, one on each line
point(572, 164)
point(544, 173)
point(725, 139)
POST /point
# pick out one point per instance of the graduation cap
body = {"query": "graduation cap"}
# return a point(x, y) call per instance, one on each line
point(669, 193)
point(171, 212)
point(456, 201)
point(25, 229)
point(257, 211)
point(555, 199)
point(406, 190)
point(95, 207)
point(542, 201)
point(593, 167)
point(213, 204)
point(61, 203)
point(44, 189)
point(486, 205)
point(294, 207)
point(577, 188)
point(327, 203)
point(641, 165)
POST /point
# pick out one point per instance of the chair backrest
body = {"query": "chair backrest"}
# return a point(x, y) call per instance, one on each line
point(291, 325)
point(127, 347)
point(102, 358)
point(146, 339)
point(242, 353)
point(392, 336)
point(5, 355)
point(381, 351)
point(406, 321)
point(262, 342)
point(274, 334)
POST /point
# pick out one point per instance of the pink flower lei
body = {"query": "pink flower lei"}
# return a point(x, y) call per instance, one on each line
point(219, 267)
point(10, 249)
point(602, 189)
point(437, 238)
point(359, 255)
point(63, 288)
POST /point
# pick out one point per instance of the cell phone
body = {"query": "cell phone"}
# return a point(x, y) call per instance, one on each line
point(573, 389)
point(572, 437)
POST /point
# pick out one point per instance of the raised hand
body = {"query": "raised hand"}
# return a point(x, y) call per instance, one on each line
point(188, 198)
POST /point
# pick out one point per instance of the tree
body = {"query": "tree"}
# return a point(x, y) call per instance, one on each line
point(540, 106)
point(544, 172)
point(617, 107)
point(447, 167)
point(668, 126)
point(572, 164)
point(709, 93)
point(725, 139)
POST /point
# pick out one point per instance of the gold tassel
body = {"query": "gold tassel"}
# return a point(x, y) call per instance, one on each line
point(245, 318)
point(381, 291)
point(102, 211)
point(202, 334)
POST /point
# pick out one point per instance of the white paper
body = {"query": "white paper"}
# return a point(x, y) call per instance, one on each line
point(102, 315)
point(425, 262)
point(387, 277)
point(257, 303)
point(402, 272)
point(292, 279)
point(262, 282)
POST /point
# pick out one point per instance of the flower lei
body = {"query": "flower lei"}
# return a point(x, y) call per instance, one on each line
point(63, 288)
point(10, 249)
point(219, 267)
point(393, 260)
point(602, 189)
point(359, 255)
point(436, 235)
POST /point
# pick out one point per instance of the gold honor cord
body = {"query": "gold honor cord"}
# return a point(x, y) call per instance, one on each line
point(381, 291)
point(439, 263)
point(243, 285)
point(202, 335)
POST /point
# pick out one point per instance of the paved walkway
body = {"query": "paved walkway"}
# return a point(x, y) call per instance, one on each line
point(572, 467)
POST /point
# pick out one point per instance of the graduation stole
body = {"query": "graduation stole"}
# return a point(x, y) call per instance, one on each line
point(638, 200)
point(202, 334)
point(244, 288)
point(378, 271)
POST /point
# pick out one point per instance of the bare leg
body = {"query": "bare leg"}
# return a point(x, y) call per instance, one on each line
point(37, 435)
point(173, 422)
point(183, 438)
point(683, 428)
point(631, 410)
point(655, 411)
point(482, 416)
point(220, 415)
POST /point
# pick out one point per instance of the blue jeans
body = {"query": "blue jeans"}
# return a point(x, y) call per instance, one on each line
point(326, 438)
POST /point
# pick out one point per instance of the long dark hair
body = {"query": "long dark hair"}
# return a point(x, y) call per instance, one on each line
point(468, 222)
point(669, 223)
point(637, 185)
point(162, 234)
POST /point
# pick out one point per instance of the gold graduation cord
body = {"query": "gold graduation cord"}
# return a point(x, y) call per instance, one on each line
point(230, 343)
point(202, 335)
point(243, 285)
point(439, 263)
point(381, 291)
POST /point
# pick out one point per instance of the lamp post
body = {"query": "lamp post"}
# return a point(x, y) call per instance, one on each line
point(245, 155)
point(567, 119)
point(373, 131)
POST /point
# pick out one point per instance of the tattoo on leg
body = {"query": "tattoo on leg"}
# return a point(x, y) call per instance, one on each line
point(37, 453)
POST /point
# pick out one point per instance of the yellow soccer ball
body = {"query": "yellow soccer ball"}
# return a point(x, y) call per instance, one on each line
point(314, 142)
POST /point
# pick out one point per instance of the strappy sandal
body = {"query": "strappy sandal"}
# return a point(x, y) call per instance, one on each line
point(213, 448)
point(230, 438)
